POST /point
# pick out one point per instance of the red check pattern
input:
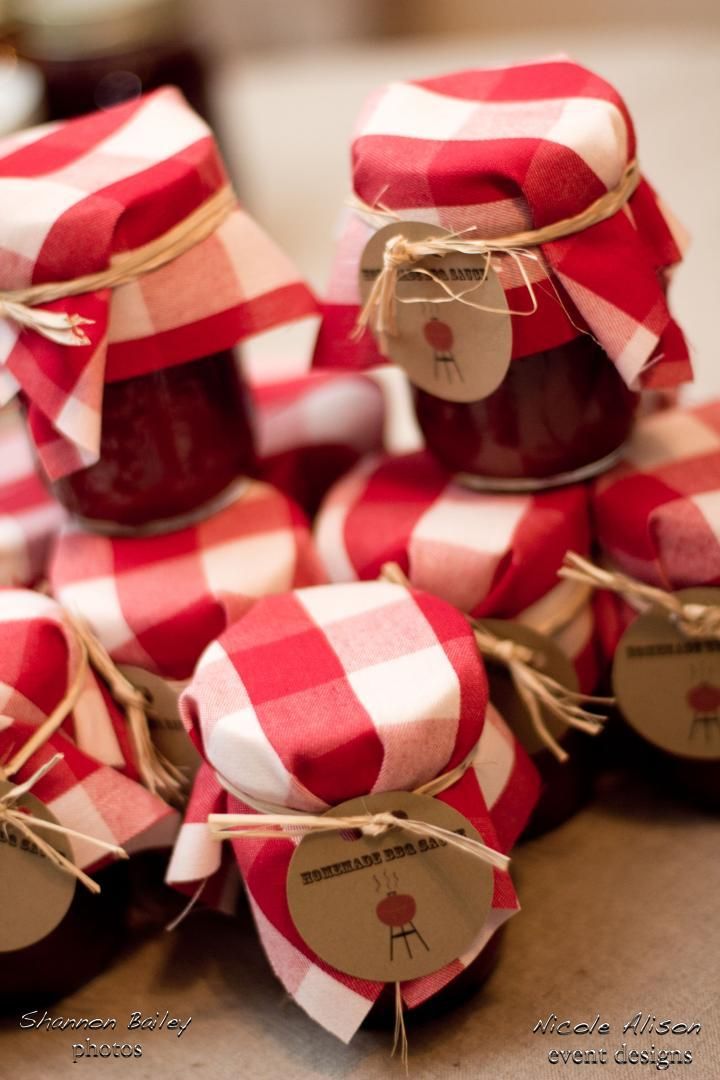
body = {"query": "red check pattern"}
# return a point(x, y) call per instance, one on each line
point(90, 797)
point(76, 194)
point(506, 150)
point(657, 515)
point(312, 429)
point(489, 555)
point(156, 602)
point(400, 670)
point(39, 661)
point(29, 517)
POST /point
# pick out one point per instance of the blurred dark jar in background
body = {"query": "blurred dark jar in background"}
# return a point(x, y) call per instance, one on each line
point(98, 53)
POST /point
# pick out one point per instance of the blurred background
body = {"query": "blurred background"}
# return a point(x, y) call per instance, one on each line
point(282, 82)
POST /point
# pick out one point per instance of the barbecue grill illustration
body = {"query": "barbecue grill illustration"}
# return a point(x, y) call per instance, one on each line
point(704, 701)
point(439, 337)
point(397, 912)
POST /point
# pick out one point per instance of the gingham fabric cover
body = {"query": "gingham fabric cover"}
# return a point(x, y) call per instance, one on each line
point(489, 555)
point(156, 602)
point(89, 797)
point(657, 515)
point(29, 517)
point(39, 661)
point(504, 150)
point(75, 194)
point(323, 695)
point(311, 429)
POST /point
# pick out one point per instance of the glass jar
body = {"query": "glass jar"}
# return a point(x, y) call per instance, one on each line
point(98, 53)
point(21, 90)
point(565, 410)
point(171, 442)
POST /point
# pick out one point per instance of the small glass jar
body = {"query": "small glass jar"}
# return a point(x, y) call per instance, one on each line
point(99, 53)
point(563, 411)
point(172, 441)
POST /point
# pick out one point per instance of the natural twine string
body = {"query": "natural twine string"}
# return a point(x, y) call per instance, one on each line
point(400, 254)
point(159, 775)
point(536, 689)
point(694, 620)
point(27, 824)
point(24, 306)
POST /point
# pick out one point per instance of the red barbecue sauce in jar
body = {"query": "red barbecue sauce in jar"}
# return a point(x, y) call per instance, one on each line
point(172, 441)
point(555, 412)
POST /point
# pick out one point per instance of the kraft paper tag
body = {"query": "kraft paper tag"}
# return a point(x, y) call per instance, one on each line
point(34, 893)
point(167, 730)
point(447, 347)
point(504, 696)
point(668, 685)
point(392, 907)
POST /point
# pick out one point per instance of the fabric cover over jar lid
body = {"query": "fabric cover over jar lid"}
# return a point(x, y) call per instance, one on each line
point(82, 197)
point(657, 515)
point(29, 517)
point(156, 601)
point(320, 696)
point(489, 555)
point(311, 429)
point(488, 154)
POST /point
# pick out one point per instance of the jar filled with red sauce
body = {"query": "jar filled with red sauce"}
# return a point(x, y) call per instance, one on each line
point(172, 441)
point(96, 54)
point(562, 410)
point(510, 257)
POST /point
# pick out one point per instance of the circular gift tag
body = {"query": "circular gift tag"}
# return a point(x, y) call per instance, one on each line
point(167, 730)
point(552, 661)
point(667, 684)
point(34, 893)
point(392, 907)
point(451, 349)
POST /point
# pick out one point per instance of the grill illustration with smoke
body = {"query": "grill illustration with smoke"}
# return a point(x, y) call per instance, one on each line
point(704, 702)
point(439, 337)
point(397, 911)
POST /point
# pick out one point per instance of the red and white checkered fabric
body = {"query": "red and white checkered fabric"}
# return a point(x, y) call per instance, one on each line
point(312, 429)
point(155, 602)
point(40, 658)
point(89, 797)
point(489, 555)
point(323, 695)
point(29, 517)
point(76, 194)
point(505, 150)
point(657, 515)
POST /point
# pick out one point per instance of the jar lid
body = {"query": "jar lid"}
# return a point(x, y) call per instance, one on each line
point(489, 555)
point(130, 211)
point(21, 92)
point(29, 517)
point(156, 601)
point(310, 430)
point(72, 29)
point(495, 155)
point(658, 513)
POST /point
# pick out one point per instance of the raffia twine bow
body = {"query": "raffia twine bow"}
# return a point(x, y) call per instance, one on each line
point(24, 306)
point(159, 775)
point(401, 254)
point(693, 620)
point(28, 824)
point(536, 689)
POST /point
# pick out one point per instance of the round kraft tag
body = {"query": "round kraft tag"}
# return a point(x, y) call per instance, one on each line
point(34, 893)
point(454, 333)
point(550, 660)
point(391, 907)
point(667, 684)
point(167, 730)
